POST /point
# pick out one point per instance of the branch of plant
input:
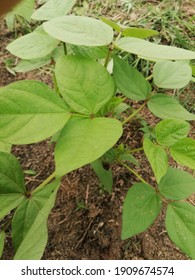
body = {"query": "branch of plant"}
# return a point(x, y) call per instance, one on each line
point(110, 50)
point(134, 113)
point(47, 180)
point(134, 172)
point(136, 150)
point(65, 48)
point(149, 77)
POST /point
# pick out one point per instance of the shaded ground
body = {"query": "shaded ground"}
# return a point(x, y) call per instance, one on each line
point(86, 222)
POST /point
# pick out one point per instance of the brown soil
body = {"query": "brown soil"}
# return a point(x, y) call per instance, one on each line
point(92, 231)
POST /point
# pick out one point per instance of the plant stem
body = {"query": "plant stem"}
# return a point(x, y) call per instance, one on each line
point(108, 57)
point(111, 48)
point(52, 176)
point(134, 172)
point(149, 77)
point(65, 48)
point(136, 150)
point(134, 113)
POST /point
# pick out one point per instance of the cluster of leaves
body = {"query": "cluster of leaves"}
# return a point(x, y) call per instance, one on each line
point(82, 114)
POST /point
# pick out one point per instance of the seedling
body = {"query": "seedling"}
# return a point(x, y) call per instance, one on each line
point(80, 114)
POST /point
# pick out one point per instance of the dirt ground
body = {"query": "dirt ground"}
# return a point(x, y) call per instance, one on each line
point(86, 222)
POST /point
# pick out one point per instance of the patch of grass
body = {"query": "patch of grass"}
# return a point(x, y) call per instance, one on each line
point(173, 19)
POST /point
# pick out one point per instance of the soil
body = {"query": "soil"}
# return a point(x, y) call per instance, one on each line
point(86, 222)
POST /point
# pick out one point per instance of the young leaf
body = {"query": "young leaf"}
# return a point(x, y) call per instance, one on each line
point(2, 240)
point(5, 147)
point(34, 227)
point(53, 9)
point(180, 225)
point(141, 207)
point(177, 184)
point(84, 84)
point(166, 107)
point(34, 45)
point(111, 23)
point(152, 51)
point(141, 33)
point(128, 157)
point(168, 132)
point(105, 176)
point(29, 65)
point(28, 210)
point(84, 140)
point(157, 157)
point(80, 30)
point(12, 187)
point(30, 112)
point(184, 152)
point(111, 106)
point(130, 81)
point(172, 74)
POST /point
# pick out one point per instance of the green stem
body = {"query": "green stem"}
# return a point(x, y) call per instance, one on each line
point(52, 176)
point(55, 84)
point(108, 57)
point(149, 77)
point(136, 150)
point(65, 48)
point(134, 113)
point(134, 172)
point(111, 48)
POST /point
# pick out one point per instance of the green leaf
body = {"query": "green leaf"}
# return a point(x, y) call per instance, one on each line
point(2, 240)
point(84, 140)
point(5, 147)
point(168, 132)
point(111, 106)
point(152, 51)
point(141, 207)
point(84, 84)
point(184, 152)
point(29, 65)
point(90, 52)
point(105, 176)
point(111, 23)
point(30, 112)
point(53, 9)
point(22, 221)
point(139, 32)
point(172, 74)
point(79, 30)
point(167, 107)
point(128, 157)
point(28, 210)
point(30, 224)
point(120, 108)
point(157, 158)
point(130, 81)
point(34, 45)
point(12, 187)
point(180, 225)
point(24, 9)
point(177, 184)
